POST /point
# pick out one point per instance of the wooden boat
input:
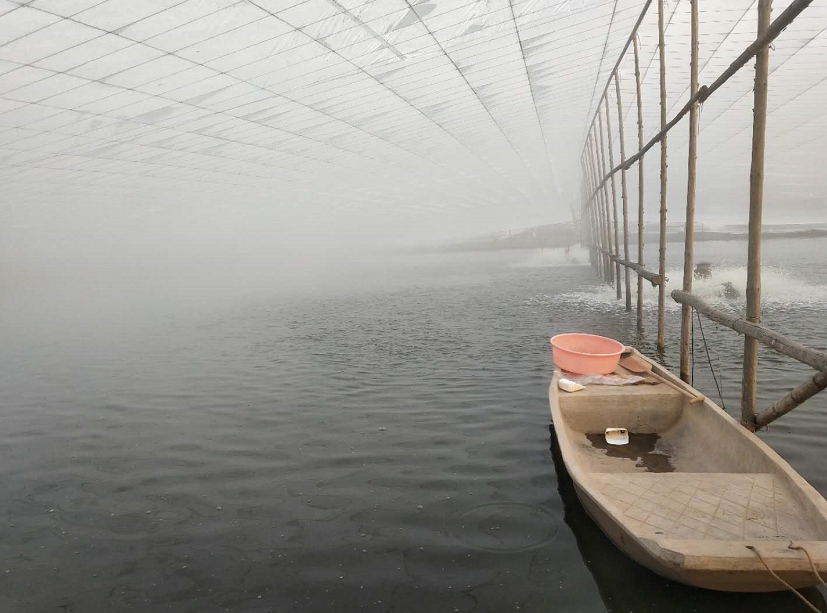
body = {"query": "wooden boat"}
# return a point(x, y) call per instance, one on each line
point(694, 496)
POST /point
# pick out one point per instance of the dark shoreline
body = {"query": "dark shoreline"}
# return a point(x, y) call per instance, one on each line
point(522, 241)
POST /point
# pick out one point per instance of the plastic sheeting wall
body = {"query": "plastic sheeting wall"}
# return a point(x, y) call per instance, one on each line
point(467, 115)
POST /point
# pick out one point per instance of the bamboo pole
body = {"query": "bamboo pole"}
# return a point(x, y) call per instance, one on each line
point(774, 340)
point(639, 187)
point(797, 396)
point(795, 8)
point(597, 202)
point(650, 276)
point(587, 205)
point(614, 195)
point(598, 207)
point(605, 191)
point(756, 204)
point(584, 213)
point(689, 244)
point(607, 225)
point(598, 226)
point(586, 210)
point(661, 343)
point(594, 255)
point(624, 194)
point(623, 51)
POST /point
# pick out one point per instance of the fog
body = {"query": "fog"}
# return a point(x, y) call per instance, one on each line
point(249, 361)
point(294, 140)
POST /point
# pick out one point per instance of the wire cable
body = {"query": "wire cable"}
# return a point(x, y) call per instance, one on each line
point(709, 359)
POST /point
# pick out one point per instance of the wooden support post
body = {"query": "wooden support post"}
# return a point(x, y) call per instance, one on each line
point(586, 203)
point(586, 212)
point(598, 219)
point(604, 191)
point(756, 204)
point(778, 342)
point(652, 277)
point(794, 9)
point(594, 254)
point(623, 51)
point(586, 196)
point(604, 212)
point(597, 203)
point(805, 391)
point(689, 241)
point(639, 187)
point(661, 342)
point(616, 232)
point(596, 207)
point(624, 193)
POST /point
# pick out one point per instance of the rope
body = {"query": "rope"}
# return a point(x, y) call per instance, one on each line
point(787, 585)
point(692, 340)
point(709, 359)
point(812, 564)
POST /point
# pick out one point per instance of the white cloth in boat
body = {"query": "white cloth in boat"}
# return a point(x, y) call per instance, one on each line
point(610, 379)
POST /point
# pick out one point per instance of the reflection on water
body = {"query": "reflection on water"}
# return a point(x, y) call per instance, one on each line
point(626, 586)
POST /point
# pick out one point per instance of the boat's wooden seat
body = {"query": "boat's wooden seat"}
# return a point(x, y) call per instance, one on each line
point(640, 408)
point(722, 506)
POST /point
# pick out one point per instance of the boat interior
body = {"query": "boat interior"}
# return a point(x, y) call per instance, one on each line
point(689, 471)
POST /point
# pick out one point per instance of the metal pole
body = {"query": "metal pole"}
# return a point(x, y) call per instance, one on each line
point(639, 188)
point(756, 205)
point(624, 194)
point(614, 195)
point(689, 244)
point(663, 165)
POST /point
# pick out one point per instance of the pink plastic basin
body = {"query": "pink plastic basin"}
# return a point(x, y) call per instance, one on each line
point(586, 354)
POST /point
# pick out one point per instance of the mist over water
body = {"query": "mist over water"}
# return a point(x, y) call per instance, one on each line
point(241, 370)
point(345, 430)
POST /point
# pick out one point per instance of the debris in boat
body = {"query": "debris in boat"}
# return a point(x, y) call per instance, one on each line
point(647, 451)
point(569, 386)
point(617, 436)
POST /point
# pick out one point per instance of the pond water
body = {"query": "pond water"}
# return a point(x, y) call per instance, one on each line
point(380, 443)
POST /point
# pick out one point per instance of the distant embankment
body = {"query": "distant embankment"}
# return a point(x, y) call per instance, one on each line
point(711, 235)
point(564, 235)
point(560, 235)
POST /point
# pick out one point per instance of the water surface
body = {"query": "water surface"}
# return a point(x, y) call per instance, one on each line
point(373, 446)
